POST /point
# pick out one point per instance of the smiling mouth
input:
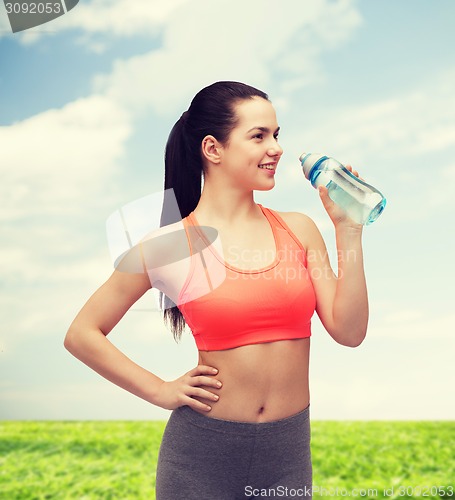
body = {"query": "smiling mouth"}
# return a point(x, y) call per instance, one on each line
point(268, 166)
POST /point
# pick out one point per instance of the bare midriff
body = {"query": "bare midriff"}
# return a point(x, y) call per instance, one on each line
point(261, 382)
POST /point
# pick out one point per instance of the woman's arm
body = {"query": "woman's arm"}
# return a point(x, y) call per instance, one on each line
point(86, 340)
point(341, 301)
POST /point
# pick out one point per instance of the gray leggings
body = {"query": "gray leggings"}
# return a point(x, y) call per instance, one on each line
point(206, 458)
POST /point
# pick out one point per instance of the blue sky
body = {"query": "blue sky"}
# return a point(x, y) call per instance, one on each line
point(86, 104)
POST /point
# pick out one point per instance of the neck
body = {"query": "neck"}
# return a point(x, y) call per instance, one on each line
point(225, 204)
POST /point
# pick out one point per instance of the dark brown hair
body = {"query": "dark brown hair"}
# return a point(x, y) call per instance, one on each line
point(212, 112)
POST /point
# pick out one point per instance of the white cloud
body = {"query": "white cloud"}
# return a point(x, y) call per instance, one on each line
point(121, 17)
point(382, 396)
point(141, 336)
point(409, 124)
point(220, 28)
point(440, 191)
point(54, 159)
point(56, 170)
point(204, 42)
point(115, 18)
point(97, 399)
point(403, 316)
point(413, 324)
point(399, 139)
point(400, 375)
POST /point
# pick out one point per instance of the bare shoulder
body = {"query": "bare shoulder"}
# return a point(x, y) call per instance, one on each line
point(155, 249)
point(302, 226)
point(171, 229)
point(166, 244)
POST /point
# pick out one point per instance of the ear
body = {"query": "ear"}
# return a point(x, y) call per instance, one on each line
point(211, 149)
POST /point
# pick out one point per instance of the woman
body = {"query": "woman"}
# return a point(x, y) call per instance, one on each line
point(240, 421)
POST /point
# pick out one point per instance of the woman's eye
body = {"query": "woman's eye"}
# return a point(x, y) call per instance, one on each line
point(261, 136)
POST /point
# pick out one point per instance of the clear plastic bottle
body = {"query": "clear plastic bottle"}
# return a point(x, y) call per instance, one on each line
point(363, 203)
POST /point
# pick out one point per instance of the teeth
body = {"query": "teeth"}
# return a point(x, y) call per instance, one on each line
point(268, 167)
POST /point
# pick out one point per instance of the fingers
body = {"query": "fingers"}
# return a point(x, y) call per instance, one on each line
point(335, 212)
point(203, 369)
point(188, 388)
point(202, 393)
point(196, 381)
point(195, 404)
point(324, 195)
point(354, 172)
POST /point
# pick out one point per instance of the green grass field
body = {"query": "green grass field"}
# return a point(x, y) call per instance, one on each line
point(117, 460)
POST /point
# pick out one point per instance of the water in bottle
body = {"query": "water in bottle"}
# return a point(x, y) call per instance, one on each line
point(363, 203)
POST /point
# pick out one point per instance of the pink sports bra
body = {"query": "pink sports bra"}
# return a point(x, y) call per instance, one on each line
point(249, 306)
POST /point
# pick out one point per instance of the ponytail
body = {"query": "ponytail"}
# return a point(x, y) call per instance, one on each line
point(183, 171)
point(212, 112)
point(186, 182)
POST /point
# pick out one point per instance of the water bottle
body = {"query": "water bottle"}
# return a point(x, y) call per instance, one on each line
point(362, 203)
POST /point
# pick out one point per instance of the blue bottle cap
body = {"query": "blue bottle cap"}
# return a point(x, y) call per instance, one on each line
point(308, 161)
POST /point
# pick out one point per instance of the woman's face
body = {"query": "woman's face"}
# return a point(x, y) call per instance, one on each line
point(252, 154)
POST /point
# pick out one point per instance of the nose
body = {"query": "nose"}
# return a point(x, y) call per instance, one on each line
point(275, 150)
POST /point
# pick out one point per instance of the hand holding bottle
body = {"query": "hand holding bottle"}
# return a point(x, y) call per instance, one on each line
point(336, 213)
point(360, 202)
